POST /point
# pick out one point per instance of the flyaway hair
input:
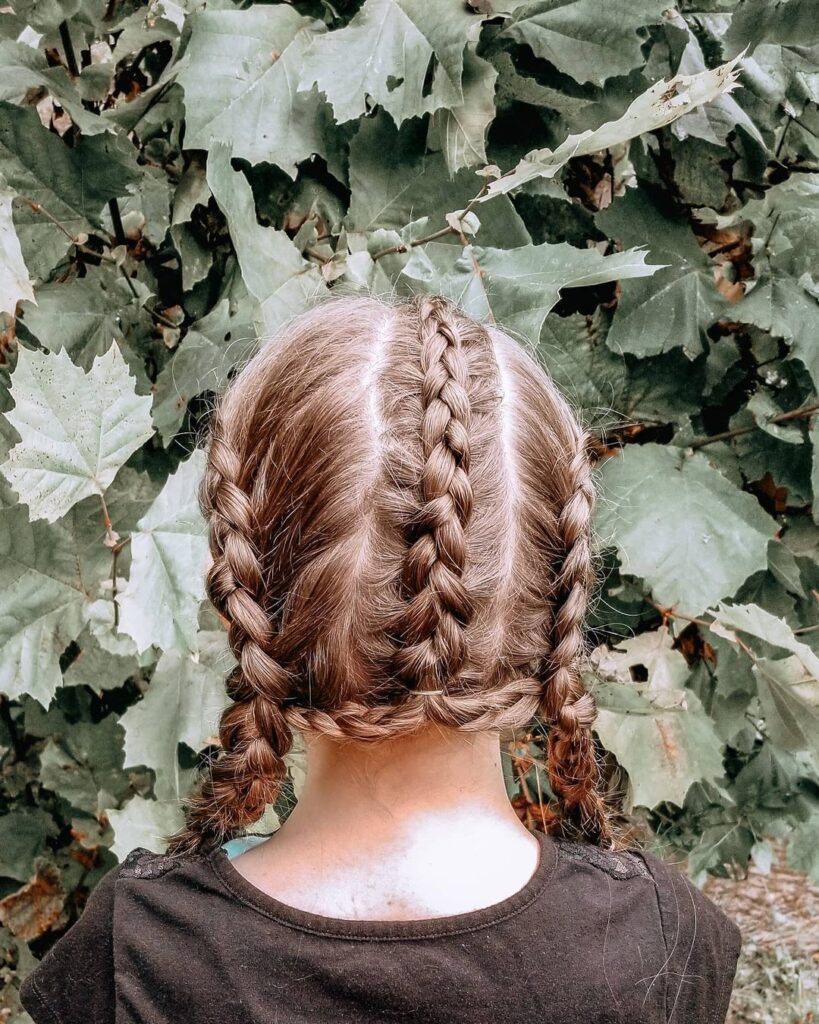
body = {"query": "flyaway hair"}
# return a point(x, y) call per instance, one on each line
point(399, 504)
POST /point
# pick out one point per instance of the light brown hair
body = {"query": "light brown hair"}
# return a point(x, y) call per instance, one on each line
point(399, 499)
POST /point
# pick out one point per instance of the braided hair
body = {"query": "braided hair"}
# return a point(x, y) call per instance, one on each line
point(399, 506)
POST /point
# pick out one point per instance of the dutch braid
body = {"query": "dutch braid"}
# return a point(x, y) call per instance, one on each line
point(574, 773)
point(430, 629)
point(357, 537)
point(253, 733)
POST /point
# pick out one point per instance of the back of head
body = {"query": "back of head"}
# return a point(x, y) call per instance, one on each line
point(399, 504)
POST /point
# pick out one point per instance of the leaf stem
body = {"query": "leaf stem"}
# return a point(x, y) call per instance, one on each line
point(782, 417)
point(70, 58)
point(440, 233)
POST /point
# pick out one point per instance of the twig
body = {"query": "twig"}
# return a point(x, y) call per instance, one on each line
point(116, 220)
point(406, 246)
point(70, 59)
point(440, 233)
point(81, 246)
point(115, 550)
point(782, 417)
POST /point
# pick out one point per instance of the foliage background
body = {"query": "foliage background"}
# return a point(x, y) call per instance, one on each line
point(178, 178)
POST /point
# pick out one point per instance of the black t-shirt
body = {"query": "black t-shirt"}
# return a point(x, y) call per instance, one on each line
point(594, 937)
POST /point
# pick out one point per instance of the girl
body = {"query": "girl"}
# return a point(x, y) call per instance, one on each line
point(399, 505)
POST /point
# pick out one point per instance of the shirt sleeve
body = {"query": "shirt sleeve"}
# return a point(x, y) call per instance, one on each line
point(74, 981)
point(702, 948)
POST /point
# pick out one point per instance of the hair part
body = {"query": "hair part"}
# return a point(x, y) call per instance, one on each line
point(399, 504)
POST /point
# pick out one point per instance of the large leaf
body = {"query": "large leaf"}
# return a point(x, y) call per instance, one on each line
point(677, 305)
point(657, 730)
point(239, 78)
point(71, 183)
point(680, 525)
point(84, 316)
point(43, 604)
point(76, 428)
point(585, 39)
point(757, 622)
point(274, 271)
point(15, 285)
point(160, 603)
point(182, 704)
point(397, 185)
point(790, 703)
point(663, 103)
point(383, 56)
point(461, 130)
point(518, 286)
point(143, 822)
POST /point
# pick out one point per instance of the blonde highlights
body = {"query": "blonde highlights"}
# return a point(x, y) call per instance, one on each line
point(399, 504)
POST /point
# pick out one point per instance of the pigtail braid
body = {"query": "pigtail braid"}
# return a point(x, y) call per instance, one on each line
point(438, 607)
point(254, 735)
point(574, 772)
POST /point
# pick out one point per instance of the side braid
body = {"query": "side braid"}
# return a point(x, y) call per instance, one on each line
point(430, 629)
point(574, 772)
point(254, 735)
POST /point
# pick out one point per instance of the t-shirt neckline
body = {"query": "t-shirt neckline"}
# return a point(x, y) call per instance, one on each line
point(421, 928)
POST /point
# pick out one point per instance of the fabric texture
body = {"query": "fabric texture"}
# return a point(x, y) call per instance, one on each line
point(592, 938)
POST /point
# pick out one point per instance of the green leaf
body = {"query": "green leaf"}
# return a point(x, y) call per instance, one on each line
point(663, 103)
point(77, 428)
point(274, 271)
point(71, 183)
point(85, 315)
point(23, 834)
point(97, 667)
point(517, 286)
point(750, 618)
point(680, 302)
point(25, 71)
point(680, 525)
point(15, 285)
point(461, 130)
point(182, 704)
point(657, 730)
point(83, 764)
point(408, 37)
point(397, 185)
point(143, 822)
point(584, 39)
point(160, 603)
point(790, 703)
point(803, 848)
point(238, 75)
point(202, 362)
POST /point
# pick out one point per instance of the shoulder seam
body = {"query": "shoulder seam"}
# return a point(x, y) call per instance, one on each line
point(620, 864)
point(144, 863)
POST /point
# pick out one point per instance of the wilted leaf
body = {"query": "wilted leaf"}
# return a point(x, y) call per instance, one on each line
point(663, 103)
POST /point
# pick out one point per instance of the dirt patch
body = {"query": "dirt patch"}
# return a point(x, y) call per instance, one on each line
point(778, 972)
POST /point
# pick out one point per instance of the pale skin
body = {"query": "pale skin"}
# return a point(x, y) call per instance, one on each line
point(404, 829)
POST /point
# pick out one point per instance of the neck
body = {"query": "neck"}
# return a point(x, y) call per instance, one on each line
point(435, 786)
